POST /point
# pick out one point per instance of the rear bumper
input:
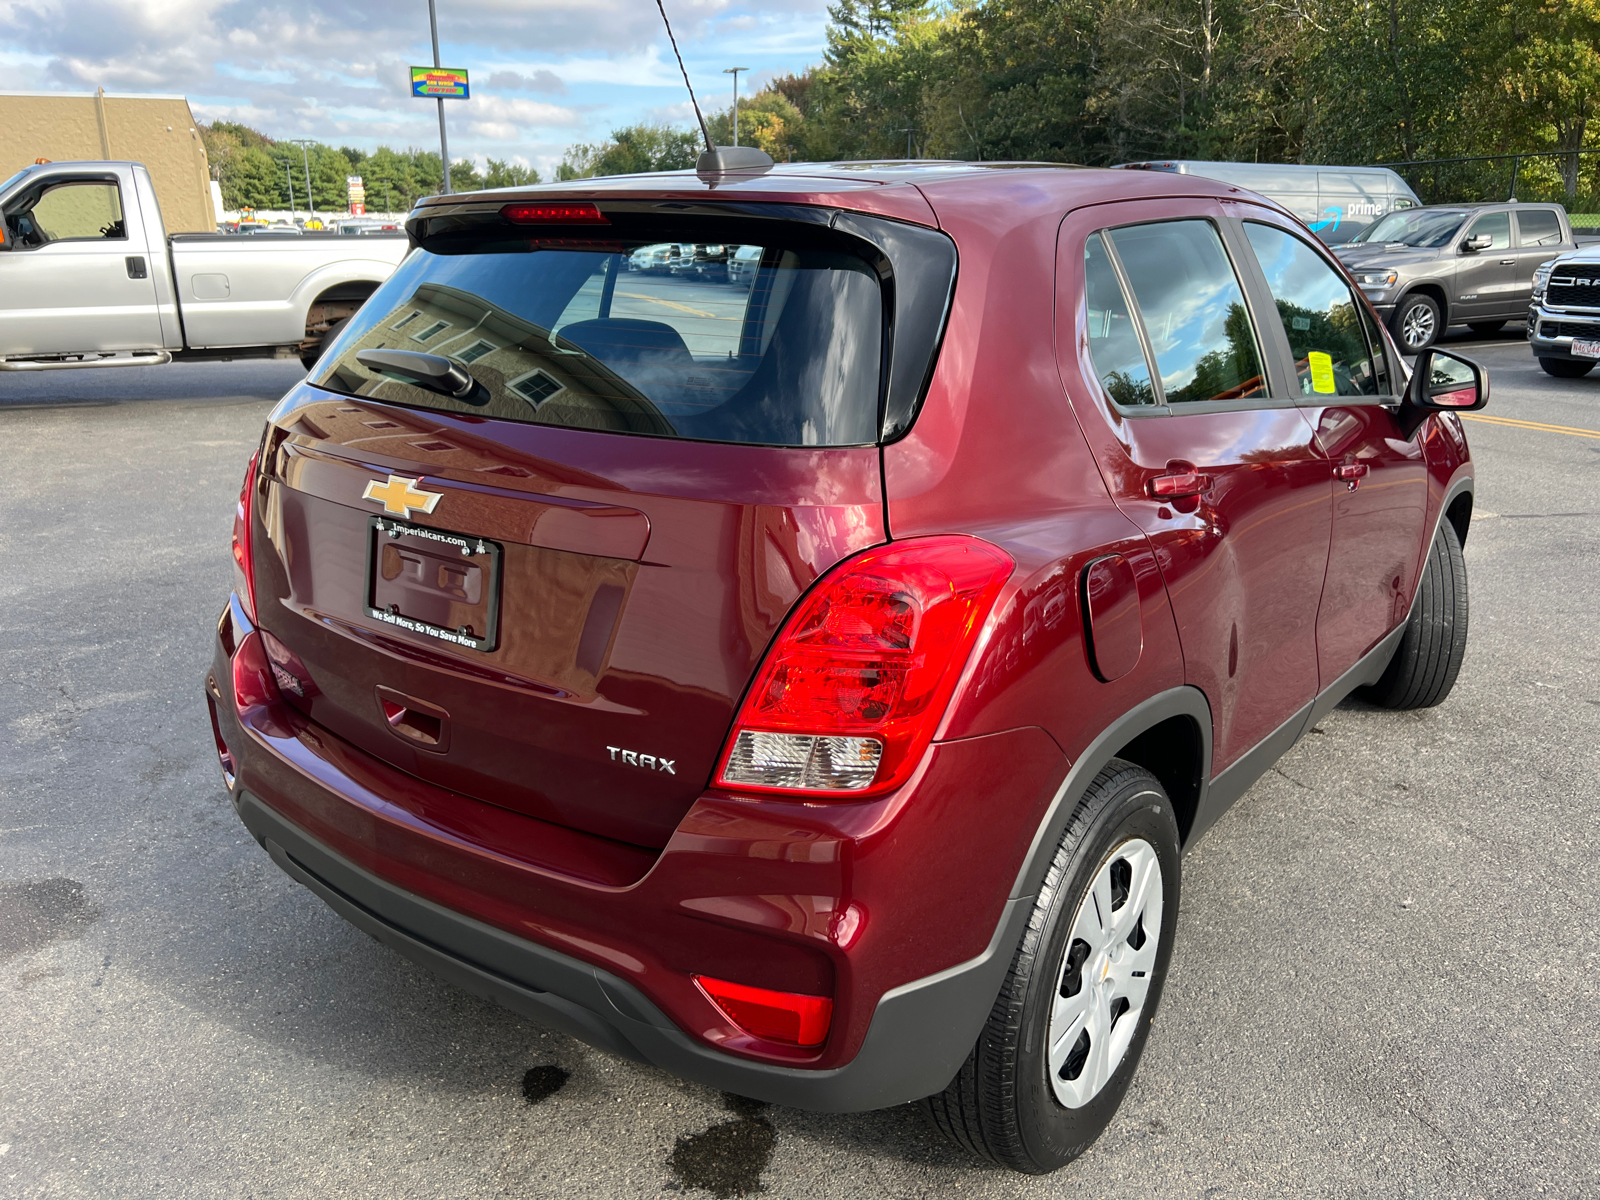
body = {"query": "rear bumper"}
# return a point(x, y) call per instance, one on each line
point(903, 900)
point(918, 1039)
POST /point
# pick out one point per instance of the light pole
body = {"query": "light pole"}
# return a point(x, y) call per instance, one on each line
point(305, 145)
point(734, 71)
point(908, 131)
point(444, 145)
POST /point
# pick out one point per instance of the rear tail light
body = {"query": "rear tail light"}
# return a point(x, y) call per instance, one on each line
point(288, 672)
point(253, 682)
point(245, 583)
point(855, 684)
point(790, 1017)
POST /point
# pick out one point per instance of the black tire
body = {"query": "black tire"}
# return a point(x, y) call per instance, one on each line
point(310, 358)
point(1002, 1104)
point(1486, 327)
point(1566, 368)
point(1417, 323)
point(1425, 665)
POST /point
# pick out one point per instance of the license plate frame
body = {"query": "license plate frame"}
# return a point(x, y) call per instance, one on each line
point(475, 552)
point(1586, 348)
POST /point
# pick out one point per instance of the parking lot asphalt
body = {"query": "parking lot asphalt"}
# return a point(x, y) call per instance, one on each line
point(1384, 984)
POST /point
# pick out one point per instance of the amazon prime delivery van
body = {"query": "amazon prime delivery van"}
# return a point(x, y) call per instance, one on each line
point(1335, 202)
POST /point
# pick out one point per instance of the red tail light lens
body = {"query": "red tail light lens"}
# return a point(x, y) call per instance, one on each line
point(245, 583)
point(253, 682)
point(854, 686)
point(553, 214)
point(790, 1017)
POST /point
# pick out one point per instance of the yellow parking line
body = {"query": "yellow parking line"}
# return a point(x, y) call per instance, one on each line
point(693, 312)
point(1515, 424)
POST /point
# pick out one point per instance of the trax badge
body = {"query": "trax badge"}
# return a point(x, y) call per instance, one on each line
point(401, 495)
point(648, 761)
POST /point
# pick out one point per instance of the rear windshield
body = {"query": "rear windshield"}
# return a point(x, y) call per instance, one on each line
point(770, 344)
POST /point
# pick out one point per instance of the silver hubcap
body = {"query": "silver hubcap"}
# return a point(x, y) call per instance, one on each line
point(1416, 328)
point(1105, 973)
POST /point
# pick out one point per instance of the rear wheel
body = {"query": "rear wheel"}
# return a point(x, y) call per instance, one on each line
point(1066, 1032)
point(1486, 327)
point(1417, 323)
point(1566, 368)
point(1425, 666)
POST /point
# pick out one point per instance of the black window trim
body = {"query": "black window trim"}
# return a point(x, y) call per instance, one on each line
point(1269, 365)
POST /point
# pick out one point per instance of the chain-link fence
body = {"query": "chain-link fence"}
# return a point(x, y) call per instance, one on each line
point(1569, 178)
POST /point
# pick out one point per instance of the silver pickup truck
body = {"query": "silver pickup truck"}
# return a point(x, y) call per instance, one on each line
point(1426, 269)
point(90, 278)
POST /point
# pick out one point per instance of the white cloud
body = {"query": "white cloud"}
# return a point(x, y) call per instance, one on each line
point(305, 68)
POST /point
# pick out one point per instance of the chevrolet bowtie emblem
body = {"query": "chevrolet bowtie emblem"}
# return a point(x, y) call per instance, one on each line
point(401, 496)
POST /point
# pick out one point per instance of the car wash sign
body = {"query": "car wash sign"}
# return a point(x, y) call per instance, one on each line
point(445, 83)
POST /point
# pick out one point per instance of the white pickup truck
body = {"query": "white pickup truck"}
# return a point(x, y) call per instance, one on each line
point(89, 278)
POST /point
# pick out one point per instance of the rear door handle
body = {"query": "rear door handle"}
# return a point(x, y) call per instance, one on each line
point(1352, 473)
point(1508, 262)
point(1178, 484)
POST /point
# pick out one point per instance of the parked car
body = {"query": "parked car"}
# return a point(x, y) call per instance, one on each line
point(1336, 203)
point(1470, 264)
point(655, 258)
point(1564, 315)
point(821, 714)
point(703, 260)
point(89, 277)
point(743, 263)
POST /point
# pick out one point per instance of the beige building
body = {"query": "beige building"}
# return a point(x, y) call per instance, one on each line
point(158, 131)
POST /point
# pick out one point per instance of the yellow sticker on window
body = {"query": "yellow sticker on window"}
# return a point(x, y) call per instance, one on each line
point(1321, 372)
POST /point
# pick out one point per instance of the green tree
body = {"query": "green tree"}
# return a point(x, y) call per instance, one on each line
point(632, 150)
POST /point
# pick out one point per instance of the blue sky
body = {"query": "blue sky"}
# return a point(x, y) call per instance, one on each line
point(545, 73)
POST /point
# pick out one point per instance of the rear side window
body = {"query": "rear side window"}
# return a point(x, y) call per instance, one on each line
point(1193, 311)
point(1538, 227)
point(1114, 345)
point(1328, 335)
point(783, 349)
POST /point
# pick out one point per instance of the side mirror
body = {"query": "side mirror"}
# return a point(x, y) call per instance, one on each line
point(1443, 382)
point(1478, 241)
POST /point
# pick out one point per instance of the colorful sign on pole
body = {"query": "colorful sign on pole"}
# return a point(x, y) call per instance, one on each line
point(358, 195)
point(445, 83)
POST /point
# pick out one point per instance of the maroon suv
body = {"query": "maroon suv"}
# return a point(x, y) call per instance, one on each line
point(807, 681)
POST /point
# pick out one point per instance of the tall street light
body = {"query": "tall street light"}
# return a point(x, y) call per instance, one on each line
point(444, 145)
point(305, 145)
point(734, 71)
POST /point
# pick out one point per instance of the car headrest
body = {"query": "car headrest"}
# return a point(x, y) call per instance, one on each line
point(627, 339)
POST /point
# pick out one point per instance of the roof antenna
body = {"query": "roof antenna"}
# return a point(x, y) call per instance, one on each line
point(717, 159)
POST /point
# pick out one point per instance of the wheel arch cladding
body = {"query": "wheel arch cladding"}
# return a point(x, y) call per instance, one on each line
point(1459, 514)
point(1171, 729)
point(1174, 751)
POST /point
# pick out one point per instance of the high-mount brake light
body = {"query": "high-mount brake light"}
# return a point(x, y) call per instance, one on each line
point(553, 214)
point(245, 584)
point(791, 1017)
point(856, 682)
